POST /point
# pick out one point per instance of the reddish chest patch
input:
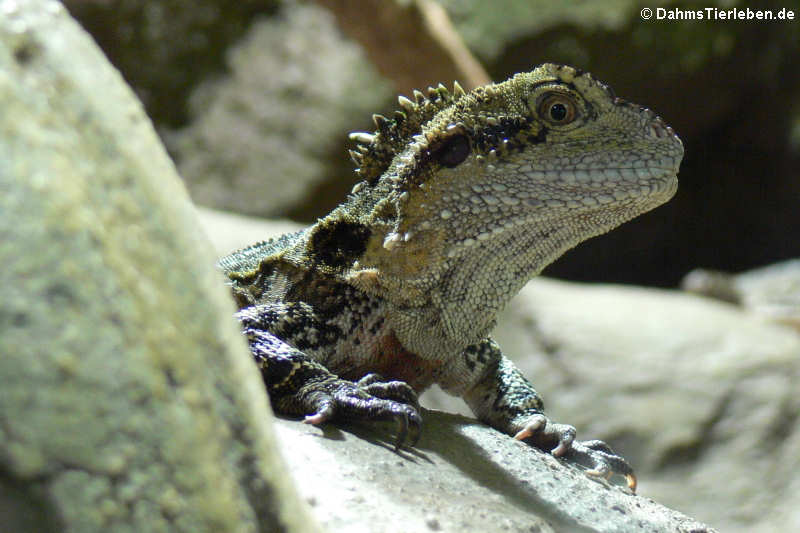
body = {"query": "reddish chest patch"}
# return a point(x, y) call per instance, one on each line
point(392, 361)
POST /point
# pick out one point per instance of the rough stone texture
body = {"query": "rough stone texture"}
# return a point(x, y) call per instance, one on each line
point(262, 137)
point(119, 396)
point(165, 48)
point(461, 476)
point(127, 399)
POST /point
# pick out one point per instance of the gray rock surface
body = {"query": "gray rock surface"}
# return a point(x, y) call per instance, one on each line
point(128, 401)
point(461, 476)
point(229, 232)
point(163, 49)
point(263, 137)
point(771, 291)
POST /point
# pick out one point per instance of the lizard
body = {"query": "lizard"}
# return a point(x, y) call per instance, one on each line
point(463, 197)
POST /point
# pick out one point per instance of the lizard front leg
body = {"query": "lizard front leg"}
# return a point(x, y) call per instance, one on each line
point(500, 396)
point(298, 384)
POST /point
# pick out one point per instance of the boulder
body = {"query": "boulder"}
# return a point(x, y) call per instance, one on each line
point(128, 400)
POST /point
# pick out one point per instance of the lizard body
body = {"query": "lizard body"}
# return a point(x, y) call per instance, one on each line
point(464, 198)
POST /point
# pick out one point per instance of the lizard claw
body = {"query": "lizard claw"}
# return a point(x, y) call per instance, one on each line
point(402, 403)
point(546, 435)
point(602, 461)
point(368, 399)
point(410, 423)
point(398, 391)
point(559, 439)
point(323, 415)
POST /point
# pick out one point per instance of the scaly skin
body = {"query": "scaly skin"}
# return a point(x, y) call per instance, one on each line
point(465, 198)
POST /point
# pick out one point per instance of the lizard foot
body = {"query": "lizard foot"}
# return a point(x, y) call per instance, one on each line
point(602, 461)
point(559, 439)
point(398, 391)
point(369, 399)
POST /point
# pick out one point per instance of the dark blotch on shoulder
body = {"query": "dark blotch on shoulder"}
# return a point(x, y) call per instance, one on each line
point(338, 243)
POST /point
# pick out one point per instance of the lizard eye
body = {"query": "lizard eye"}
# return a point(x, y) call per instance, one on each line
point(557, 108)
point(453, 150)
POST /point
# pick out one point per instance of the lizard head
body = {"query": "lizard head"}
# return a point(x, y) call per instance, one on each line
point(484, 189)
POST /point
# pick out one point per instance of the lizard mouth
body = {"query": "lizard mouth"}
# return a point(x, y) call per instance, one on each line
point(612, 172)
point(603, 186)
point(586, 195)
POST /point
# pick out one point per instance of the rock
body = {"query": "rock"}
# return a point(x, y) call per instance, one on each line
point(229, 232)
point(164, 49)
point(772, 291)
point(461, 476)
point(128, 401)
point(263, 138)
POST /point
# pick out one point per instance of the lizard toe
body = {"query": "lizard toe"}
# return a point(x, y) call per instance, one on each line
point(323, 414)
point(368, 400)
point(602, 461)
point(546, 435)
point(398, 391)
point(559, 439)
